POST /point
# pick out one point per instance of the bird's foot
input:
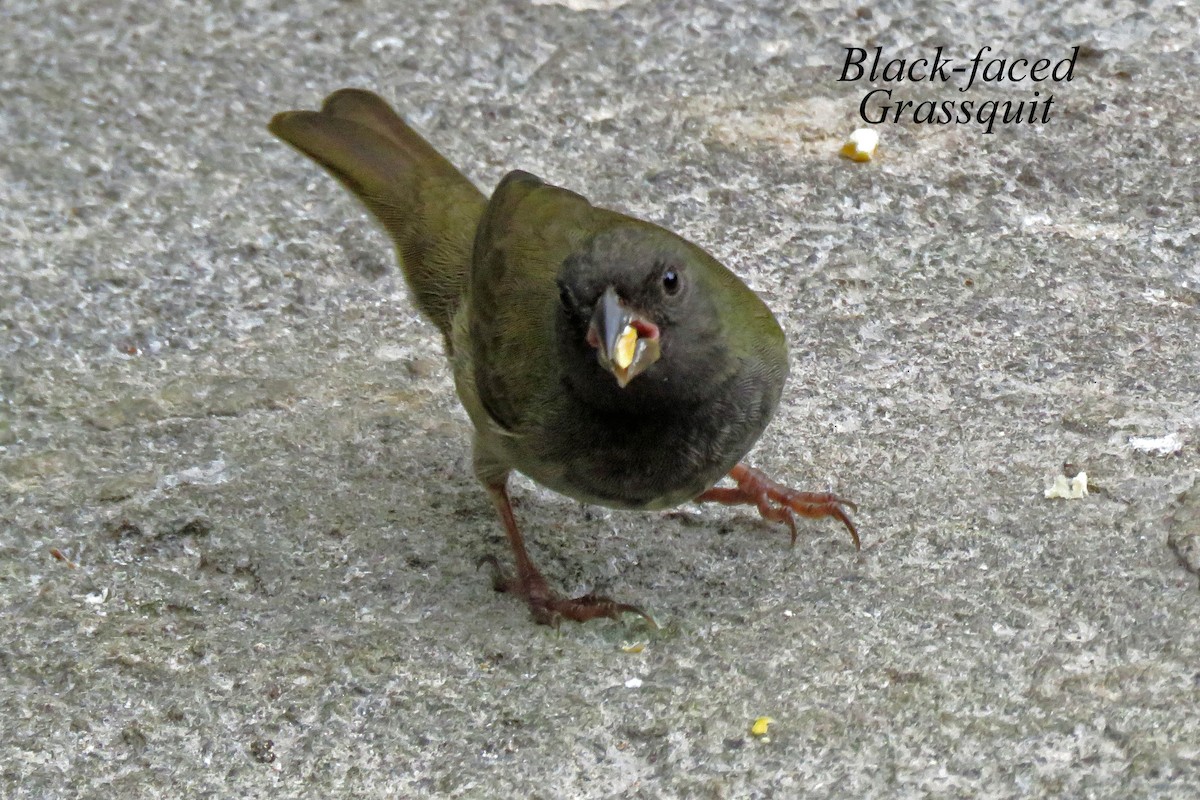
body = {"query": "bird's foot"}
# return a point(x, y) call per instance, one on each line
point(549, 607)
point(778, 503)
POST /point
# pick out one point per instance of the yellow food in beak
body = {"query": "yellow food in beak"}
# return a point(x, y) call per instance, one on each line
point(626, 346)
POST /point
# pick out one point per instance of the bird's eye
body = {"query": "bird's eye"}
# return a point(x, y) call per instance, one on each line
point(670, 281)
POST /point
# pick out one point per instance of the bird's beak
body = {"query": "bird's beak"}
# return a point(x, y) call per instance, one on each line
point(626, 343)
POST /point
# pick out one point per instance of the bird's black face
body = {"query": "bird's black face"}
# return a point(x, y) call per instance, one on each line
point(632, 320)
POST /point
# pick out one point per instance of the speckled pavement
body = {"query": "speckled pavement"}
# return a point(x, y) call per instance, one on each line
point(238, 525)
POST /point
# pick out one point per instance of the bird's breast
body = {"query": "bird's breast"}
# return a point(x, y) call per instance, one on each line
point(647, 458)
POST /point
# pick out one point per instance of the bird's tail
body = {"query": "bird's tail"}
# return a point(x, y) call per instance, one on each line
point(427, 206)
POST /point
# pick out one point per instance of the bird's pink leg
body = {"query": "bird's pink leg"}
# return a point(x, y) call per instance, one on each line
point(548, 606)
point(778, 503)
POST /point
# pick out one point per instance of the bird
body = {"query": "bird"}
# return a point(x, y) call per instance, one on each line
point(602, 356)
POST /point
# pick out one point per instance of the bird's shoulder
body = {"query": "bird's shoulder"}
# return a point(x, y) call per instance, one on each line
point(527, 231)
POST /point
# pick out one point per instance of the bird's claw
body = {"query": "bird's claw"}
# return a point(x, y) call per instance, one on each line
point(548, 607)
point(778, 503)
point(498, 579)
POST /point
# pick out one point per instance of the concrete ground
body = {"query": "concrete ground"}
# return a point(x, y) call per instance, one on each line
point(239, 526)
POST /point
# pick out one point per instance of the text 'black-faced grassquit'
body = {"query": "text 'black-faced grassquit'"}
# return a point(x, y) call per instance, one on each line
point(602, 356)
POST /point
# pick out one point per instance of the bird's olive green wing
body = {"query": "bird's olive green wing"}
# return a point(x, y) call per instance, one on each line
point(426, 205)
point(748, 325)
point(527, 231)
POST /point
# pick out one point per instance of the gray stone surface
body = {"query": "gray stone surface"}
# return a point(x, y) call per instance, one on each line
point(218, 406)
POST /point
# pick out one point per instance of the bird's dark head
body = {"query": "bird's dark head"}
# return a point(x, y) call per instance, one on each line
point(636, 317)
